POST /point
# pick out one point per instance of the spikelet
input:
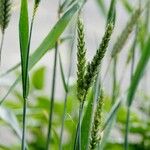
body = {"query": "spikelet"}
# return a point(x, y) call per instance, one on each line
point(95, 132)
point(92, 68)
point(81, 65)
point(125, 33)
point(5, 13)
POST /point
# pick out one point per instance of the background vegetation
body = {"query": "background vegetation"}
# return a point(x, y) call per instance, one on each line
point(105, 106)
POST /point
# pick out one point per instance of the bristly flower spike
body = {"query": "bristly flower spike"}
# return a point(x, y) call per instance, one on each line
point(95, 132)
point(81, 58)
point(126, 32)
point(92, 68)
point(5, 13)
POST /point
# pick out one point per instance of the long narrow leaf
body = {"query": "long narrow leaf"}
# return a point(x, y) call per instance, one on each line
point(139, 72)
point(24, 35)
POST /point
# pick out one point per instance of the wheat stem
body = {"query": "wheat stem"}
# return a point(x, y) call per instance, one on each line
point(23, 145)
point(52, 98)
point(1, 47)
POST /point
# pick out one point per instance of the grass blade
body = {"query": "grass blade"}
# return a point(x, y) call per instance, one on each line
point(138, 72)
point(23, 35)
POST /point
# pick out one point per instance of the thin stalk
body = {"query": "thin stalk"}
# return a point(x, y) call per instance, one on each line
point(1, 46)
point(52, 98)
point(128, 109)
point(127, 129)
point(114, 80)
point(65, 101)
point(23, 145)
point(77, 144)
point(53, 89)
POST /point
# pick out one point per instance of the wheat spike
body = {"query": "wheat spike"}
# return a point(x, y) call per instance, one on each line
point(81, 61)
point(5, 13)
point(95, 132)
point(92, 67)
point(125, 33)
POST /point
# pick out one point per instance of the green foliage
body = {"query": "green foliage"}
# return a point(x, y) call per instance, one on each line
point(38, 78)
point(91, 126)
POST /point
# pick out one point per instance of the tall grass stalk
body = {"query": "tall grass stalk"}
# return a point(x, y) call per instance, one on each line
point(66, 92)
point(49, 134)
point(129, 108)
point(52, 99)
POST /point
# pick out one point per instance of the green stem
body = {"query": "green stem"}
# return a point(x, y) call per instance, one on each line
point(114, 95)
point(77, 144)
point(23, 146)
point(52, 98)
point(1, 46)
point(127, 129)
point(65, 101)
point(128, 109)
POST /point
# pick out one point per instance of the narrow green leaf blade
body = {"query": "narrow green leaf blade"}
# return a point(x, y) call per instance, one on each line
point(23, 35)
point(139, 72)
point(86, 123)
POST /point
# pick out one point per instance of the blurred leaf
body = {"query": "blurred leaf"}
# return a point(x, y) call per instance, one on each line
point(139, 72)
point(10, 118)
point(102, 6)
point(127, 5)
point(38, 78)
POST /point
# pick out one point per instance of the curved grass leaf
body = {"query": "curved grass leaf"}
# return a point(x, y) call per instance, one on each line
point(86, 123)
point(108, 125)
point(10, 118)
point(139, 72)
point(50, 40)
point(89, 113)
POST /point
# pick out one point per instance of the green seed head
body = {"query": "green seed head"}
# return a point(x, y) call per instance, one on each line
point(5, 13)
point(92, 68)
point(81, 58)
point(125, 33)
point(95, 132)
